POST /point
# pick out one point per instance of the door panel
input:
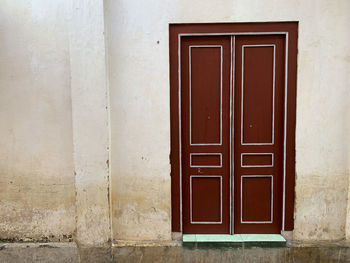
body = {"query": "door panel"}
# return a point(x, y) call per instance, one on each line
point(256, 198)
point(258, 92)
point(205, 199)
point(205, 94)
point(258, 133)
point(205, 128)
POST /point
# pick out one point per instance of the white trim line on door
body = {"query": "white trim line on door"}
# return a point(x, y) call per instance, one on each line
point(180, 137)
point(233, 34)
point(232, 154)
point(205, 222)
point(231, 63)
point(285, 133)
point(190, 91)
point(271, 206)
point(273, 94)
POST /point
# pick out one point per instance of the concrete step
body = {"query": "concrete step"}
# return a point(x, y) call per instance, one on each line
point(293, 252)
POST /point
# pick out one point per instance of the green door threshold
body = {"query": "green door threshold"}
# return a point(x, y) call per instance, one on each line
point(236, 238)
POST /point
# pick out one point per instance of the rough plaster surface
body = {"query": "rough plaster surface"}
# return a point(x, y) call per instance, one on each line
point(323, 218)
point(37, 196)
point(40, 253)
point(140, 203)
point(347, 230)
point(139, 86)
point(90, 122)
point(338, 252)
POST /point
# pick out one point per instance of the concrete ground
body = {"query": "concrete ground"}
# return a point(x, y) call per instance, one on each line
point(320, 252)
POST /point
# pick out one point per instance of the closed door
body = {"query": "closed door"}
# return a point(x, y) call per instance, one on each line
point(232, 141)
point(258, 134)
point(205, 125)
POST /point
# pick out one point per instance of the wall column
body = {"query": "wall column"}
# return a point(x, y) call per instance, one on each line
point(90, 122)
point(347, 127)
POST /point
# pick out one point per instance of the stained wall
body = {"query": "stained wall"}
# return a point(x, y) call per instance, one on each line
point(37, 192)
point(137, 40)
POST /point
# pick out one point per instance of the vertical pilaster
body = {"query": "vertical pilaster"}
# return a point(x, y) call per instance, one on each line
point(90, 122)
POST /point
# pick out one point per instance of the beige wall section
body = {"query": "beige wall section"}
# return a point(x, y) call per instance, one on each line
point(52, 54)
point(348, 156)
point(37, 196)
point(139, 83)
point(322, 109)
point(139, 88)
point(90, 122)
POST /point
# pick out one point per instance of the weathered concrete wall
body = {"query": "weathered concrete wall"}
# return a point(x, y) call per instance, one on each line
point(139, 88)
point(347, 230)
point(330, 252)
point(322, 109)
point(139, 84)
point(37, 195)
point(52, 55)
point(335, 252)
point(90, 122)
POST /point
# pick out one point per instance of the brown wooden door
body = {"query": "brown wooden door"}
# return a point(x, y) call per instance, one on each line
point(205, 120)
point(206, 81)
point(258, 133)
point(232, 127)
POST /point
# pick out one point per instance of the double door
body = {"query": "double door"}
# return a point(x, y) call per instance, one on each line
point(231, 118)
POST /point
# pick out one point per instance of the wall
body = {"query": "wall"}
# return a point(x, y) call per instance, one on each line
point(139, 97)
point(90, 122)
point(37, 195)
point(54, 145)
point(137, 33)
point(52, 55)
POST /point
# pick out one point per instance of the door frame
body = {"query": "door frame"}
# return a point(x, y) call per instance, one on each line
point(290, 31)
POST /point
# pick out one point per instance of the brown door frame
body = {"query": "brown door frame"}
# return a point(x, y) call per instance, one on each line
point(290, 31)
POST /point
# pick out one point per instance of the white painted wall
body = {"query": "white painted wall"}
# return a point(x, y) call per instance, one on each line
point(37, 195)
point(139, 87)
point(54, 158)
point(90, 122)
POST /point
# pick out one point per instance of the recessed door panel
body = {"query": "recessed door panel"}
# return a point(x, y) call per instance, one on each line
point(258, 133)
point(258, 86)
point(206, 199)
point(257, 160)
point(205, 66)
point(256, 199)
point(205, 128)
point(206, 160)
